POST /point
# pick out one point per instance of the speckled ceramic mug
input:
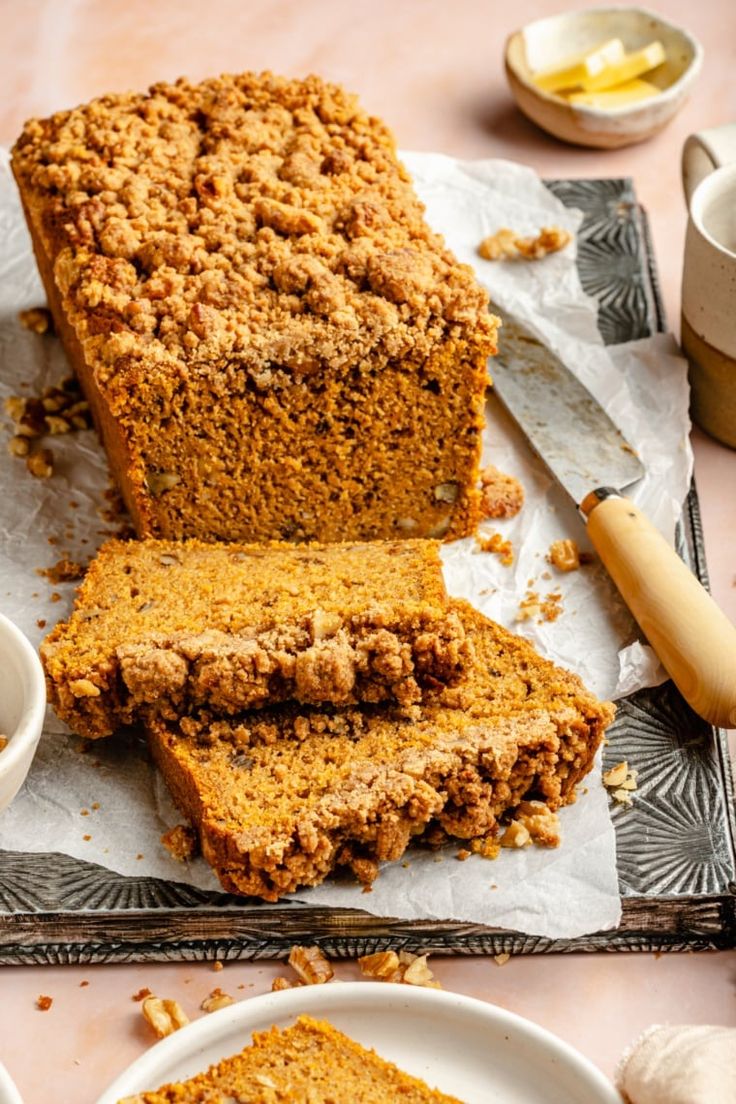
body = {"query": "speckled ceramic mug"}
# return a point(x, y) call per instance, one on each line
point(709, 279)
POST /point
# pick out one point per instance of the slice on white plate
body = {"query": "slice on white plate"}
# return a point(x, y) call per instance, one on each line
point(461, 1046)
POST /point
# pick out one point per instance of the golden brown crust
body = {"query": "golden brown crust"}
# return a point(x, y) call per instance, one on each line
point(246, 257)
point(168, 627)
point(282, 797)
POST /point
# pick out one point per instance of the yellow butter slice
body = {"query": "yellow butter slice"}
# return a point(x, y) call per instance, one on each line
point(626, 69)
point(573, 70)
point(623, 94)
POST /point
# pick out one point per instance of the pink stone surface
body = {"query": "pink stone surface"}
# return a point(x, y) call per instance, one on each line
point(432, 69)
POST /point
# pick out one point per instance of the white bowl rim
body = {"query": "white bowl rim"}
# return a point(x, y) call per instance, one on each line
point(8, 1090)
point(669, 93)
point(28, 731)
point(205, 1031)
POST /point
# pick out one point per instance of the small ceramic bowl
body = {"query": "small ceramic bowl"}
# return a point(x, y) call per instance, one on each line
point(548, 42)
point(22, 707)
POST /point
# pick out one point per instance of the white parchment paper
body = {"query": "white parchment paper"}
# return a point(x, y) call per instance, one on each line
point(107, 805)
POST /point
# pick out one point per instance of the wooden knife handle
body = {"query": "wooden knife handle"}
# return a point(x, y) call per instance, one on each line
point(692, 637)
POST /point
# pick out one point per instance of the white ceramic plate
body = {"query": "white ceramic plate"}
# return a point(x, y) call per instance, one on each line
point(8, 1092)
point(465, 1047)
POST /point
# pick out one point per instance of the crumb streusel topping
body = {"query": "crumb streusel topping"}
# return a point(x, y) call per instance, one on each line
point(249, 221)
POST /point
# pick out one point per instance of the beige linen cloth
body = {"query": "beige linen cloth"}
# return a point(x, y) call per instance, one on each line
point(680, 1065)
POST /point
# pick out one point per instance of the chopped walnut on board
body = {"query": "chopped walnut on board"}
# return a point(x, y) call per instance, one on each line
point(507, 245)
point(502, 495)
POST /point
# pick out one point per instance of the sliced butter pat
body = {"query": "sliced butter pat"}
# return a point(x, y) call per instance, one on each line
point(623, 94)
point(577, 68)
point(630, 66)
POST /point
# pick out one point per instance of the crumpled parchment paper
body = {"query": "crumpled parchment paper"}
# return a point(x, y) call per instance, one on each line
point(108, 806)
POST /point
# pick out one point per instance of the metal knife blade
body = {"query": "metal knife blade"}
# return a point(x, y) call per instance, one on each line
point(562, 421)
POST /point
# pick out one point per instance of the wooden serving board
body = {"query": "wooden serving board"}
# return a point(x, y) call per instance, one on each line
point(676, 854)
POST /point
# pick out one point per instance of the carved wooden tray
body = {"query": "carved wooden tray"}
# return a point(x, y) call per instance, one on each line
point(676, 856)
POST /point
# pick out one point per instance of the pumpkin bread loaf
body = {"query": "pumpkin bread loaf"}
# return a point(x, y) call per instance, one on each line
point(309, 1061)
point(178, 626)
point(281, 797)
point(273, 343)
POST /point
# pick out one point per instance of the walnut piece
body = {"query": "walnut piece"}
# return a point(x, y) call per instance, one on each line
point(502, 496)
point(404, 967)
point(621, 781)
point(217, 999)
point(418, 972)
point(381, 966)
point(164, 1016)
point(564, 555)
point(506, 245)
point(310, 965)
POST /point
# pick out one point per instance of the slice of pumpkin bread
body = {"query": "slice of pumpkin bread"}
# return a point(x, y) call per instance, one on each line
point(173, 627)
point(283, 796)
point(309, 1061)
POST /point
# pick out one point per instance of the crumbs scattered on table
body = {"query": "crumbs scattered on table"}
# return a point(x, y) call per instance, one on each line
point(507, 245)
point(621, 782)
point(501, 959)
point(86, 838)
point(37, 319)
point(55, 596)
point(217, 966)
point(498, 545)
point(41, 622)
point(43, 1003)
point(502, 495)
point(463, 854)
point(139, 855)
point(181, 842)
point(83, 984)
point(536, 608)
point(142, 994)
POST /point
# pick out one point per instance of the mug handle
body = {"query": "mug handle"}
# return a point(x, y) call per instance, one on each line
point(705, 151)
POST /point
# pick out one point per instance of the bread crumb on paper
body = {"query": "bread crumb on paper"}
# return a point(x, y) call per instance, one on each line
point(502, 495)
